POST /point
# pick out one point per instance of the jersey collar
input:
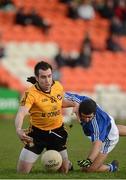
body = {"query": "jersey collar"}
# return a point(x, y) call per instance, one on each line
point(39, 88)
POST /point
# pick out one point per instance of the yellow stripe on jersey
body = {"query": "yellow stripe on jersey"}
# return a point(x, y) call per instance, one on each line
point(45, 108)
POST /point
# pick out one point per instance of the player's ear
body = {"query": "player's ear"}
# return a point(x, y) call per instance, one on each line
point(36, 77)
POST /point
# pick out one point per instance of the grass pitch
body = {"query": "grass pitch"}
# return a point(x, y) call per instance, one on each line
point(78, 146)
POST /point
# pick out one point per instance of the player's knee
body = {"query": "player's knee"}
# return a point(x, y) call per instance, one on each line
point(65, 166)
point(63, 170)
point(21, 170)
point(23, 167)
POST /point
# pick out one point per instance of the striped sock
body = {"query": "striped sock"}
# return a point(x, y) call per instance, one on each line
point(113, 166)
point(110, 167)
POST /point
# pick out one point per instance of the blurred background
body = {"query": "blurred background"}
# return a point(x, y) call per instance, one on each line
point(84, 40)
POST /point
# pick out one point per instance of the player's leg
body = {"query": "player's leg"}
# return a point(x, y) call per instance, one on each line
point(66, 163)
point(26, 160)
point(58, 142)
point(30, 154)
point(122, 129)
point(107, 146)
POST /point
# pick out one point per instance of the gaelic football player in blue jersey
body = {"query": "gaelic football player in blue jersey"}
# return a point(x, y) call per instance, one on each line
point(104, 134)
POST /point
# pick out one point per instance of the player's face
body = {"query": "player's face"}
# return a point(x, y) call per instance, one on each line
point(87, 118)
point(45, 79)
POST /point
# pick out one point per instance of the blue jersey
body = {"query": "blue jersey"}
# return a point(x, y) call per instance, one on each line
point(99, 127)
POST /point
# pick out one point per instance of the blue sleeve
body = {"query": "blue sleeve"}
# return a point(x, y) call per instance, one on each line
point(104, 131)
point(100, 130)
point(95, 133)
point(75, 97)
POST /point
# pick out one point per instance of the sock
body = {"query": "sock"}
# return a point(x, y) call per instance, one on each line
point(110, 167)
point(113, 167)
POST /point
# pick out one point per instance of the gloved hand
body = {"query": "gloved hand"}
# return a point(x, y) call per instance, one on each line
point(84, 163)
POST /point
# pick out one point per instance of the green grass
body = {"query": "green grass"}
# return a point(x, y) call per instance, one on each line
point(78, 147)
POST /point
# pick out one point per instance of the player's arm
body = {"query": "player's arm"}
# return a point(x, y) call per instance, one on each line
point(22, 112)
point(96, 146)
point(96, 138)
point(68, 103)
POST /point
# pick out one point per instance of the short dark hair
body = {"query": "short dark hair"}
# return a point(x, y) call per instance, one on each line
point(41, 65)
point(87, 107)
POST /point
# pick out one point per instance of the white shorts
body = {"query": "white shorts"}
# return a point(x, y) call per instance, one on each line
point(112, 139)
point(28, 156)
point(31, 157)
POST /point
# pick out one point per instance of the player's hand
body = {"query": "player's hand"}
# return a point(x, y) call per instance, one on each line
point(84, 163)
point(24, 137)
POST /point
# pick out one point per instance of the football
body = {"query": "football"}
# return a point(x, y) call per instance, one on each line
point(51, 160)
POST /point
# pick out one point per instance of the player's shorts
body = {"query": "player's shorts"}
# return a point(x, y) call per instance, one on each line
point(54, 139)
point(112, 139)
